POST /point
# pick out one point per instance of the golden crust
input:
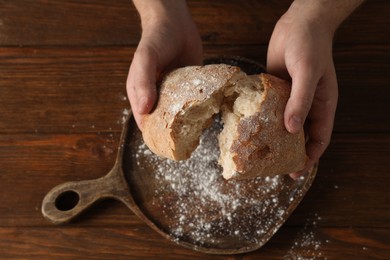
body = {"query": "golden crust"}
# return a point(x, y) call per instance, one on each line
point(181, 90)
point(263, 146)
point(189, 97)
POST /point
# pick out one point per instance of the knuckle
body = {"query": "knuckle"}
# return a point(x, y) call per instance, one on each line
point(306, 102)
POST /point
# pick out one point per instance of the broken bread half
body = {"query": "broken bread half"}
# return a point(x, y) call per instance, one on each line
point(253, 142)
point(188, 98)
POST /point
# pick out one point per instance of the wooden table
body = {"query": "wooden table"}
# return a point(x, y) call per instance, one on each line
point(63, 68)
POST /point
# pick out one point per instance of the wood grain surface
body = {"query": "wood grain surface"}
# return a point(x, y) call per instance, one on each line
point(63, 68)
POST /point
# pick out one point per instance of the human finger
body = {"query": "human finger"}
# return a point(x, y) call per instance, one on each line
point(322, 118)
point(304, 83)
point(319, 125)
point(141, 82)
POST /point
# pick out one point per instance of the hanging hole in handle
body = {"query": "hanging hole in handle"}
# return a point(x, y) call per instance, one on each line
point(67, 200)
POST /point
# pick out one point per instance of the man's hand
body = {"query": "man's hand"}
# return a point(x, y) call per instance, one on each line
point(300, 49)
point(169, 40)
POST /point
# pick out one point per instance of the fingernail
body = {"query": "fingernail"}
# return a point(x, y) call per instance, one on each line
point(295, 124)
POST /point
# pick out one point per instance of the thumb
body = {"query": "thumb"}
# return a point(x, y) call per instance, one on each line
point(141, 82)
point(304, 83)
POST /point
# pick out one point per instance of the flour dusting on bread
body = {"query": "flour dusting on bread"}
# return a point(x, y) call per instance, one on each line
point(242, 100)
point(189, 97)
point(253, 142)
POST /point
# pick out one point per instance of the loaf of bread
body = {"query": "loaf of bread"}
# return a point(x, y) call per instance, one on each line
point(253, 142)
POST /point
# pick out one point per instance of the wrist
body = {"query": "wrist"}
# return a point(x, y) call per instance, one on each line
point(155, 12)
point(328, 14)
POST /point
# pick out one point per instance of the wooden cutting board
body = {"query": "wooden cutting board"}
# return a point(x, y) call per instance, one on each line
point(187, 202)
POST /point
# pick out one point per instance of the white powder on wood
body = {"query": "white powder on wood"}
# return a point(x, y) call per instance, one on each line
point(125, 114)
point(204, 209)
point(307, 244)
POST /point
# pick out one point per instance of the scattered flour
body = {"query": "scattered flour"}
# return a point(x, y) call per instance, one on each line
point(307, 244)
point(125, 113)
point(203, 208)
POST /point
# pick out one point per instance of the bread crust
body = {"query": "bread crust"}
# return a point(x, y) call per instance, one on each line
point(180, 91)
point(189, 97)
point(263, 146)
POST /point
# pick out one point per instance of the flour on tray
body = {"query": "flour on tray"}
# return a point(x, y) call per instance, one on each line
point(205, 208)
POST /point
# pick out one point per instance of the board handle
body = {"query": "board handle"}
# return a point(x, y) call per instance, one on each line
point(67, 201)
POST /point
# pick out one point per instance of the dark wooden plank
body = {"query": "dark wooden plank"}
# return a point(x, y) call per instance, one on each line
point(218, 22)
point(351, 182)
point(362, 73)
point(138, 241)
point(83, 89)
point(101, 22)
point(31, 165)
point(43, 91)
point(68, 23)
